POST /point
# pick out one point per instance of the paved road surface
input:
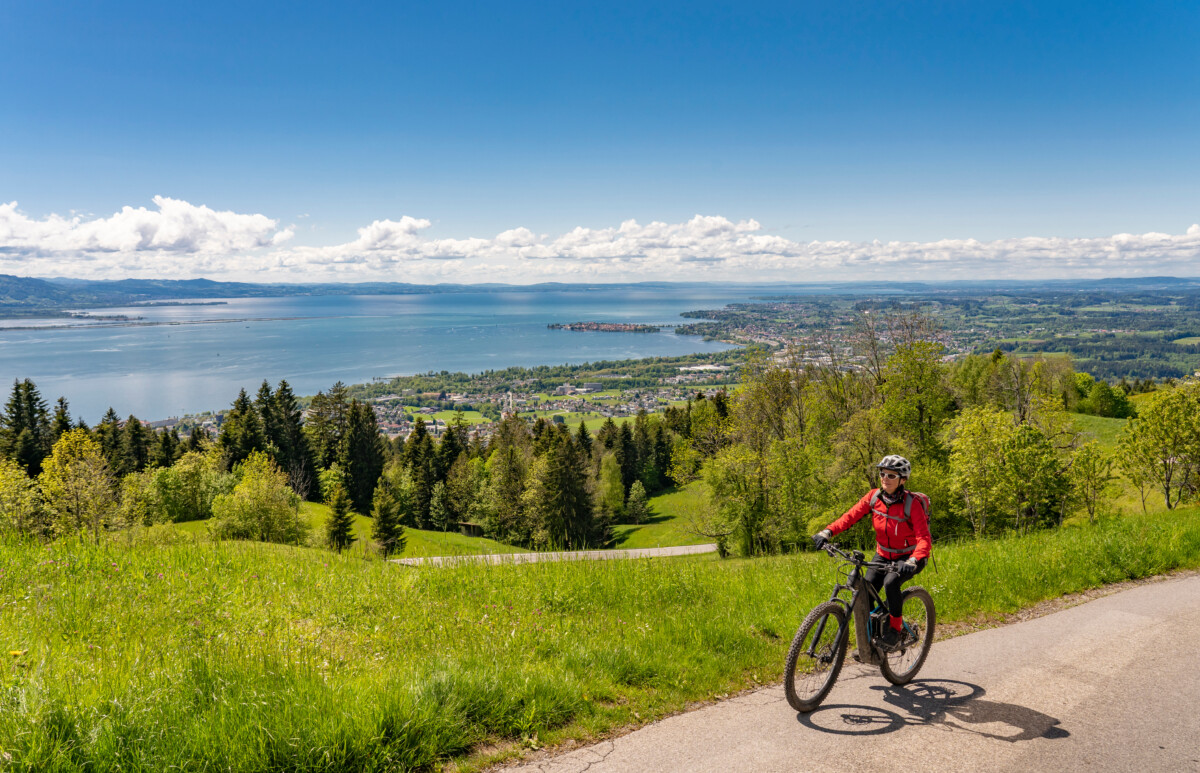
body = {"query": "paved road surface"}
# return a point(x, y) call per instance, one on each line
point(572, 555)
point(1110, 685)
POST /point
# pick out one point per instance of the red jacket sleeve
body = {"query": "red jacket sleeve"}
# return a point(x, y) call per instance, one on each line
point(920, 525)
point(855, 514)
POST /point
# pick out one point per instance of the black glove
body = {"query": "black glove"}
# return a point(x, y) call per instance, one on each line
point(820, 538)
point(908, 569)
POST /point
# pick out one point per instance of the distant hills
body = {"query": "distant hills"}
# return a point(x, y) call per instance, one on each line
point(24, 296)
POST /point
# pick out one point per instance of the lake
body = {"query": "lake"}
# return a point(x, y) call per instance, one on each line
point(202, 355)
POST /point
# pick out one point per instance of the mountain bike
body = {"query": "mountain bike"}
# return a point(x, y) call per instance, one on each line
point(816, 655)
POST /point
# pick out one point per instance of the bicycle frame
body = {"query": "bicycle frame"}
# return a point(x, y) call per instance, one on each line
point(858, 607)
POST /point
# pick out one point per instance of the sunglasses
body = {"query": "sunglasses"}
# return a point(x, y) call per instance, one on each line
point(889, 476)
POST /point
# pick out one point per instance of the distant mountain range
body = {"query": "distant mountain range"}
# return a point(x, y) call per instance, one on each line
point(23, 296)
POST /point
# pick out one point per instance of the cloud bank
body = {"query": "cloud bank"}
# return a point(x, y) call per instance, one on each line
point(179, 240)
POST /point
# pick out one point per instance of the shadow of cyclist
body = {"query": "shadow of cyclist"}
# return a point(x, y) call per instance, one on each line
point(949, 704)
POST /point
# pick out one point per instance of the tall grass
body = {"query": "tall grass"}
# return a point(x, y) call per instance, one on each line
point(248, 657)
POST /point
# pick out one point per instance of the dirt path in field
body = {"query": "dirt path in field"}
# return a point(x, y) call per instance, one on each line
point(1110, 684)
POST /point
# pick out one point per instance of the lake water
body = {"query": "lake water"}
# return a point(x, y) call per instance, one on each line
point(200, 361)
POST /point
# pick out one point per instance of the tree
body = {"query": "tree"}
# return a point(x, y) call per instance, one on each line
point(78, 486)
point(25, 432)
point(610, 491)
point(328, 419)
point(977, 463)
point(1091, 477)
point(557, 502)
point(386, 528)
point(915, 395)
point(1163, 442)
point(135, 447)
point(1033, 481)
point(637, 509)
point(361, 455)
point(440, 516)
point(186, 490)
point(339, 529)
point(295, 456)
point(21, 510)
point(262, 506)
point(241, 432)
point(61, 423)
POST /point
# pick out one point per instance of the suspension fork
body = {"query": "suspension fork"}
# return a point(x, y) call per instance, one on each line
point(837, 589)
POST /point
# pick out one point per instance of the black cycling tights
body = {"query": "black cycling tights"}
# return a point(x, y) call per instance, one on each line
point(890, 583)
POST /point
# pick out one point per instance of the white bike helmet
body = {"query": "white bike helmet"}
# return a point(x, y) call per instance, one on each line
point(896, 464)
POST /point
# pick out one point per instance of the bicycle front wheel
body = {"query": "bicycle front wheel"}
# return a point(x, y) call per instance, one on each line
point(815, 657)
point(901, 666)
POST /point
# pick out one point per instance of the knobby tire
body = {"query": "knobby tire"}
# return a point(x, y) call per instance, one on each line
point(816, 674)
point(900, 667)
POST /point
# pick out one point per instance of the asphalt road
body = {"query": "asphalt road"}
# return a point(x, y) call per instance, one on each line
point(559, 555)
point(1110, 685)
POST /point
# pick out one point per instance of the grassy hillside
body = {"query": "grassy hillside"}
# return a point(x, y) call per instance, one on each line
point(419, 541)
point(669, 523)
point(1099, 428)
point(244, 657)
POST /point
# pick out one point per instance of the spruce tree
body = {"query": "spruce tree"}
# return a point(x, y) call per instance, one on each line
point(135, 447)
point(386, 529)
point(339, 529)
point(440, 516)
point(197, 438)
point(637, 508)
point(584, 438)
point(241, 432)
point(295, 457)
point(61, 423)
point(108, 434)
point(362, 454)
point(25, 433)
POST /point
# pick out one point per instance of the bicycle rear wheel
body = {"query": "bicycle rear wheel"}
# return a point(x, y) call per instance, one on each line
point(815, 657)
point(901, 666)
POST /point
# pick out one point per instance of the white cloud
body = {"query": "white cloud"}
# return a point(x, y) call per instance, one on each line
point(181, 240)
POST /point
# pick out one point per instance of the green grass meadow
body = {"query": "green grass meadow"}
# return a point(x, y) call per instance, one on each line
point(233, 656)
point(669, 521)
point(418, 542)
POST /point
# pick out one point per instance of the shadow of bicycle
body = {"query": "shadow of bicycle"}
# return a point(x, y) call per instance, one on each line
point(947, 704)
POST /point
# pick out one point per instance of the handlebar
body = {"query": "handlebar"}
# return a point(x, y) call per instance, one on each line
point(857, 558)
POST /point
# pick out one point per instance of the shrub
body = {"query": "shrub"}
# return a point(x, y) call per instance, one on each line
point(262, 506)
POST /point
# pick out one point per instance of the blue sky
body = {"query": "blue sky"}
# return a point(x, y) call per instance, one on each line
point(838, 123)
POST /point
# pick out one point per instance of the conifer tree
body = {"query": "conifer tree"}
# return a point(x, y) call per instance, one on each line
point(637, 507)
point(164, 449)
point(241, 432)
point(135, 447)
point(328, 421)
point(264, 406)
point(362, 454)
point(584, 438)
point(386, 529)
point(108, 435)
point(295, 456)
point(25, 434)
point(339, 529)
point(197, 439)
point(61, 423)
point(440, 515)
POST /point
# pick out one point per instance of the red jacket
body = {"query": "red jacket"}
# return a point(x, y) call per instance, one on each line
point(896, 538)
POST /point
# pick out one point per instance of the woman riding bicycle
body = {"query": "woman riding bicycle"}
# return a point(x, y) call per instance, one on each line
point(901, 521)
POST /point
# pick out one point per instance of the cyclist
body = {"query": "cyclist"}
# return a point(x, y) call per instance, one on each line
point(897, 538)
